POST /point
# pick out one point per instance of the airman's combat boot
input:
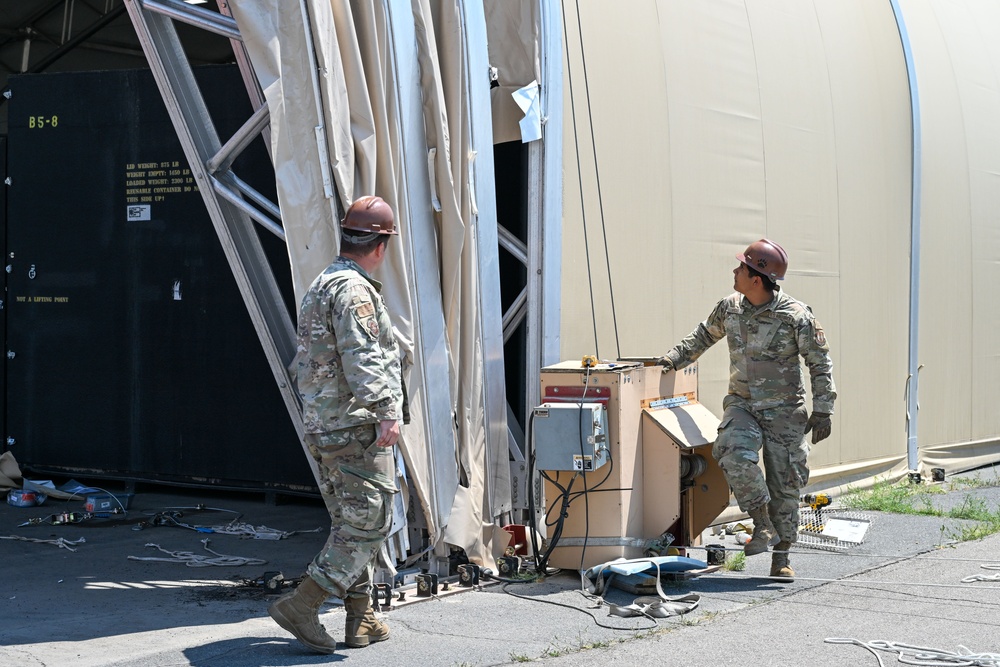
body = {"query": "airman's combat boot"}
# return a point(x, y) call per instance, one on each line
point(763, 532)
point(362, 626)
point(779, 562)
point(298, 612)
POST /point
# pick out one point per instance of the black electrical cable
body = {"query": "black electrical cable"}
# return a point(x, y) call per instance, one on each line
point(540, 560)
point(487, 573)
point(563, 491)
point(583, 468)
point(168, 516)
point(559, 523)
point(598, 488)
point(566, 496)
point(569, 606)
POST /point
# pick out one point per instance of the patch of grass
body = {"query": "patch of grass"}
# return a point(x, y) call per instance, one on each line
point(517, 657)
point(735, 562)
point(967, 533)
point(885, 497)
point(960, 483)
point(688, 619)
point(584, 645)
point(906, 498)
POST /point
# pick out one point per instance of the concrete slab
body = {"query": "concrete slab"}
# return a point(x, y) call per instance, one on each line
point(96, 607)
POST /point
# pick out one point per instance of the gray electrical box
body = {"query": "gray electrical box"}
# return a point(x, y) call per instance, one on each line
point(570, 436)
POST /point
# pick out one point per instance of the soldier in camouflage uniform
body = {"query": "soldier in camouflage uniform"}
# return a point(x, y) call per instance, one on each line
point(767, 332)
point(348, 374)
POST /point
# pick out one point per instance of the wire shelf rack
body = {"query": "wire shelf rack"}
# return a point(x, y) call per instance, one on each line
point(832, 529)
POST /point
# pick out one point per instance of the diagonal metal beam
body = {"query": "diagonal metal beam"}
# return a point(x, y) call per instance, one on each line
point(222, 160)
point(80, 37)
point(239, 240)
point(196, 16)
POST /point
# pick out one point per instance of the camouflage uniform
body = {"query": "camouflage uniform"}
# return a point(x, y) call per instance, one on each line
point(766, 402)
point(348, 372)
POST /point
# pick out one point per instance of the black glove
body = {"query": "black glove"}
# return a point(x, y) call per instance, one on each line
point(666, 363)
point(819, 423)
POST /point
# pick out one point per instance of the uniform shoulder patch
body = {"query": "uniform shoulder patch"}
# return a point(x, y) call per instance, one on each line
point(819, 334)
point(363, 310)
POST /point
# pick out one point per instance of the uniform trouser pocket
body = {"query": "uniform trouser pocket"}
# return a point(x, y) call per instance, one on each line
point(365, 503)
point(786, 454)
point(357, 478)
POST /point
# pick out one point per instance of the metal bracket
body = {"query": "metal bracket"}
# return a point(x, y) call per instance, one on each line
point(381, 597)
point(509, 566)
point(427, 585)
point(669, 402)
point(468, 575)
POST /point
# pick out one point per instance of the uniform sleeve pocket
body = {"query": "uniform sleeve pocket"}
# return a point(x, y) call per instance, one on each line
point(724, 423)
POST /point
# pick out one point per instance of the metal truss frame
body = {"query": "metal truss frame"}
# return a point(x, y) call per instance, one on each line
point(232, 204)
point(538, 303)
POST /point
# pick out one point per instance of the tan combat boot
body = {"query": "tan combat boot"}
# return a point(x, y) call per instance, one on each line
point(763, 532)
point(362, 626)
point(779, 562)
point(298, 612)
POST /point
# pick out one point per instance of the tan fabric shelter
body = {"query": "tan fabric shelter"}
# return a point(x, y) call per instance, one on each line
point(691, 129)
point(700, 127)
point(372, 98)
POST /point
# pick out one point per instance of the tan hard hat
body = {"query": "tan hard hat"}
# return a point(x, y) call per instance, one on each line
point(766, 257)
point(370, 214)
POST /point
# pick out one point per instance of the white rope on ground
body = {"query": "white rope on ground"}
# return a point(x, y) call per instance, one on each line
point(243, 529)
point(908, 654)
point(193, 560)
point(984, 577)
point(60, 542)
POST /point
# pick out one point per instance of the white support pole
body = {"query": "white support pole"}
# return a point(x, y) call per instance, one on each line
point(913, 376)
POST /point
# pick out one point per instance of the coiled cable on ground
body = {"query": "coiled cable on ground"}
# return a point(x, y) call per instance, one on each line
point(984, 577)
point(194, 560)
point(908, 654)
point(60, 542)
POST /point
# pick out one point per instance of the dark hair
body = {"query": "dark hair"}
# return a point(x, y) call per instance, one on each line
point(764, 280)
point(349, 242)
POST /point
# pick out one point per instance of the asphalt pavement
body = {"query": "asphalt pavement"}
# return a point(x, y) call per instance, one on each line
point(911, 582)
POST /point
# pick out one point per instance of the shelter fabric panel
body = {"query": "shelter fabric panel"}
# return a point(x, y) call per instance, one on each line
point(615, 121)
point(781, 119)
point(367, 140)
point(871, 110)
point(717, 164)
point(514, 28)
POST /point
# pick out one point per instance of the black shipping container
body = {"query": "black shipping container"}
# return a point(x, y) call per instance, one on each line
point(130, 352)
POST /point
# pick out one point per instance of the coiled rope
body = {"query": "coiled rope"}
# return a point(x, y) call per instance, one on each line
point(194, 560)
point(922, 655)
